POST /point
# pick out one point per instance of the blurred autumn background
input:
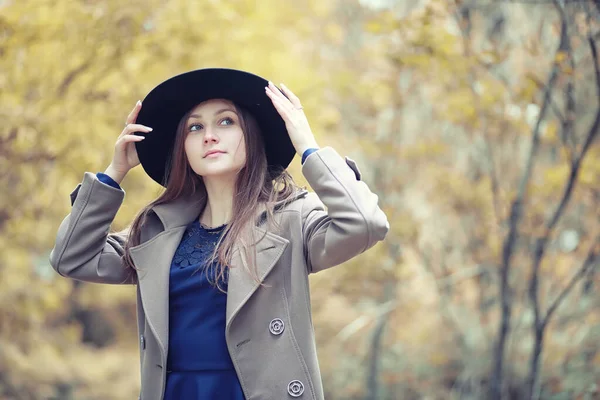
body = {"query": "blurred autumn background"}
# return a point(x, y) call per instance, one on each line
point(476, 122)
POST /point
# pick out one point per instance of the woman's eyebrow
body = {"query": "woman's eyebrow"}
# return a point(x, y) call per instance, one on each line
point(217, 113)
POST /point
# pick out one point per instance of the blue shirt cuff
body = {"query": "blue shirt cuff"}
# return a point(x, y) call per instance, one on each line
point(307, 153)
point(107, 180)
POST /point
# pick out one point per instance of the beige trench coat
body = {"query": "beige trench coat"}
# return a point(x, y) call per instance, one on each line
point(269, 330)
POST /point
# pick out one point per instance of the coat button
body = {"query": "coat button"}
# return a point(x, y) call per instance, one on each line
point(276, 326)
point(142, 342)
point(295, 388)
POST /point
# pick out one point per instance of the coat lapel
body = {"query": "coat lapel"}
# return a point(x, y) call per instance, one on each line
point(153, 259)
point(241, 286)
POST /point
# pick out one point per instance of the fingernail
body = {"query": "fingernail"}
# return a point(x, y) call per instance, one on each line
point(139, 103)
point(149, 129)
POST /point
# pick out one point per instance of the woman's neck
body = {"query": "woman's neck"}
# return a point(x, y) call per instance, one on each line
point(219, 204)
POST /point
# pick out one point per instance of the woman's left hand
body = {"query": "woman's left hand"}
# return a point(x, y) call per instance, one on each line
point(295, 120)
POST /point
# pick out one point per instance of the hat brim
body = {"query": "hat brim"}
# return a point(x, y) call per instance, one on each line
point(165, 105)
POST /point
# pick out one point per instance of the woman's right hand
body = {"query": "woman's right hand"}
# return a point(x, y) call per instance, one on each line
point(126, 157)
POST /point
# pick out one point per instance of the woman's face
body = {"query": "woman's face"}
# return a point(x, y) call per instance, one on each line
point(215, 144)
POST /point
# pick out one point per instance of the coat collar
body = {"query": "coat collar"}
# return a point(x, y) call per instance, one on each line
point(185, 209)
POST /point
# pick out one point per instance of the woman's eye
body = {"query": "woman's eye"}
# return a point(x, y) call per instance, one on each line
point(229, 121)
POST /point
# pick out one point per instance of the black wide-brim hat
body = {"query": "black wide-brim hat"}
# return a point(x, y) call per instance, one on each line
point(165, 105)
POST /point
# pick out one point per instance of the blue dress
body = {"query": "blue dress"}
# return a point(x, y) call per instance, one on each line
point(198, 364)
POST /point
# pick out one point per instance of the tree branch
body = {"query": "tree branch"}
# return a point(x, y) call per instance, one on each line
point(593, 131)
point(583, 269)
point(70, 77)
point(541, 243)
point(568, 122)
point(514, 219)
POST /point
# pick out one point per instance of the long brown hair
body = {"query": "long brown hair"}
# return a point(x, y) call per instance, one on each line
point(256, 183)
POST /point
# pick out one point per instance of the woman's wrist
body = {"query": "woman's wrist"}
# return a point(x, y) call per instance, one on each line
point(114, 174)
point(302, 148)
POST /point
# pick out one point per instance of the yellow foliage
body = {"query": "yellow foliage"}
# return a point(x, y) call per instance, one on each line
point(384, 23)
point(71, 70)
point(589, 174)
point(69, 74)
point(550, 134)
point(560, 57)
point(335, 32)
point(554, 179)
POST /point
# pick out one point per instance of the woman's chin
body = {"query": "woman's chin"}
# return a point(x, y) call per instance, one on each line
point(218, 172)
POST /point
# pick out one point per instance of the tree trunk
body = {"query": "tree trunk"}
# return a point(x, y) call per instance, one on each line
point(534, 364)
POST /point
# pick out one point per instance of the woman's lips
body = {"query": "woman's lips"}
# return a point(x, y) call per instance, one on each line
point(214, 154)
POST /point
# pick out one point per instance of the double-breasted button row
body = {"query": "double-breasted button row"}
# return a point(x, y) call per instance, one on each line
point(295, 388)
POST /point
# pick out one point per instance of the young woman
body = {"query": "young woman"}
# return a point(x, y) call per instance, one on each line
point(221, 259)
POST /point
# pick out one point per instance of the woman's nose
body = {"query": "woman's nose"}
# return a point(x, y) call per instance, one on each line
point(210, 136)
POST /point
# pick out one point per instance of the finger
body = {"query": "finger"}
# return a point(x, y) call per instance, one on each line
point(293, 98)
point(132, 117)
point(278, 92)
point(133, 138)
point(276, 100)
point(129, 139)
point(282, 108)
point(282, 102)
point(138, 127)
point(131, 128)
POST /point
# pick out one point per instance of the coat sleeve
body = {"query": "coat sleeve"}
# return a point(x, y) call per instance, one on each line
point(342, 218)
point(84, 248)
